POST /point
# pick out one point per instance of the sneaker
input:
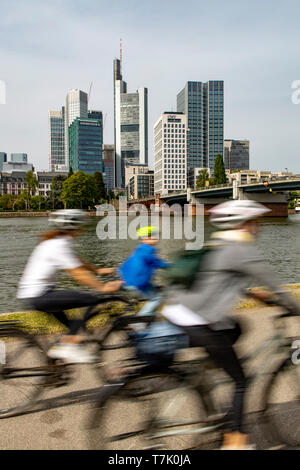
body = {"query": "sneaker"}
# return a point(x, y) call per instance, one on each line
point(236, 441)
point(72, 353)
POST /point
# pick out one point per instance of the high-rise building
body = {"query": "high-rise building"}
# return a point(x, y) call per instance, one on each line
point(130, 125)
point(56, 126)
point(236, 154)
point(3, 159)
point(203, 104)
point(141, 185)
point(76, 106)
point(85, 144)
point(108, 155)
point(18, 157)
point(170, 153)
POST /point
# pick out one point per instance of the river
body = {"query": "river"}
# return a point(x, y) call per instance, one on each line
point(279, 243)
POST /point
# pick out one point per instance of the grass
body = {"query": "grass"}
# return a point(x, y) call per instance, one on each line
point(41, 323)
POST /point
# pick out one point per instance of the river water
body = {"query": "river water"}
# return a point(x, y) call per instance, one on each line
point(279, 243)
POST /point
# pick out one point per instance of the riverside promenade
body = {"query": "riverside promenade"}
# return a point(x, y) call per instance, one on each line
point(59, 419)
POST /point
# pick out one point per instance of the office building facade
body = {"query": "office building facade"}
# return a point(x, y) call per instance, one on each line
point(141, 185)
point(130, 125)
point(203, 104)
point(85, 145)
point(236, 154)
point(18, 157)
point(170, 152)
point(56, 129)
point(9, 167)
point(108, 157)
point(3, 159)
point(76, 107)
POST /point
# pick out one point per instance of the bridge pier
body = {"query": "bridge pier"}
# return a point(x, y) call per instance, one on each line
point(277, 202)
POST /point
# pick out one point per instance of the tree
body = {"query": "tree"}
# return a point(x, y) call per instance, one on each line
point(23, 200)
point(219, 171)
point(202, 178)
point(291, 200)
point(6, 202)
point(56, 190)
point(36, 202)
point(111, 195)
point(78, 191)
point(99, 187)
point(71, 172)
point(32, 182)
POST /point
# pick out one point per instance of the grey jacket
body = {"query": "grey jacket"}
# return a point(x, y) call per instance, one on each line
point(232, 266)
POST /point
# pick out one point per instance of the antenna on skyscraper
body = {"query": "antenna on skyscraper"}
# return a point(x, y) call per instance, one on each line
point(90, 92)
point(121, 54)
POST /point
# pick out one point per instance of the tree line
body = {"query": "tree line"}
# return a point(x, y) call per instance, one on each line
point(77, 190)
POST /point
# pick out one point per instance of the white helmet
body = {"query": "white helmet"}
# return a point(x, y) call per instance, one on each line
point(68, 219)
point(233, 214)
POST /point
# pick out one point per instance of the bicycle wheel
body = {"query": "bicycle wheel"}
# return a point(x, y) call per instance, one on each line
point(112, 348)
point(283, 404)
point(22, 372)
point(157, 411)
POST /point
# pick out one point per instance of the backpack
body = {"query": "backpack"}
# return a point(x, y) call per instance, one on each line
point(186, 266)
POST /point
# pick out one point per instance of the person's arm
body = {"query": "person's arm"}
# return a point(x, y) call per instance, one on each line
point(95, 269)
point(263, 275)
point(87, 278)
point(157, 262)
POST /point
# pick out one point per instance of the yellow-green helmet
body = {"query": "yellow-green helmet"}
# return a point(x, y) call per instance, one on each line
point(147, 232)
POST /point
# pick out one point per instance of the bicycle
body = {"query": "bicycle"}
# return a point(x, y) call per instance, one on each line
point(174, 407)
point(26, 371)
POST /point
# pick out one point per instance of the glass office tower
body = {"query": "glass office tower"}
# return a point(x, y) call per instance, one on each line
point(76, 106)
point(130, 126)
point(203, 104)
point(85, 144)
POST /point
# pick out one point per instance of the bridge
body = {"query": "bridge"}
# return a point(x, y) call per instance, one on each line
point(273, 194)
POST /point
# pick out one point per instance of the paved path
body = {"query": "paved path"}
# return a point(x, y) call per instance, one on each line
point(60, 417)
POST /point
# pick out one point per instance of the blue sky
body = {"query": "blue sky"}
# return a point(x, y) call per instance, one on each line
point(49, 47)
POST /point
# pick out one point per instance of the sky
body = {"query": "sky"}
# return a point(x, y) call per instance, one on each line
point(52, 46)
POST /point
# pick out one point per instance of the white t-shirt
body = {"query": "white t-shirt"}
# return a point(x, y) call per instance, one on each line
point(46, 260)
point(182, 316)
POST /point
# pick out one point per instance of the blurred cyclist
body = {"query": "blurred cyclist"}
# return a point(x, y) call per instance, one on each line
point(139, 268)
point(55, 253)
point(204, 311)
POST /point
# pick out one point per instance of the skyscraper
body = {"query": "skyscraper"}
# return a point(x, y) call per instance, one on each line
point(130, 125)
point(203, 104)
point(108, 154)
point(170, 157)
point(236, 154)
point(56, 128)
point(85, 143)
point(76, 106)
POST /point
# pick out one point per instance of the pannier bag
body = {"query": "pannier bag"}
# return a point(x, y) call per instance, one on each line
point(158, 343)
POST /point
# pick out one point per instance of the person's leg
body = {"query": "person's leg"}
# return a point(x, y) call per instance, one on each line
point(56, 302)
point(218, 344)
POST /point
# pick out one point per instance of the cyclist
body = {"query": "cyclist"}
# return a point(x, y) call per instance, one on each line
point(139, 268)
point(204, 311)
point(55, 253)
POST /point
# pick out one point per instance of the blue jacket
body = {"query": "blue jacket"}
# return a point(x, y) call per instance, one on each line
point(138, 270)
